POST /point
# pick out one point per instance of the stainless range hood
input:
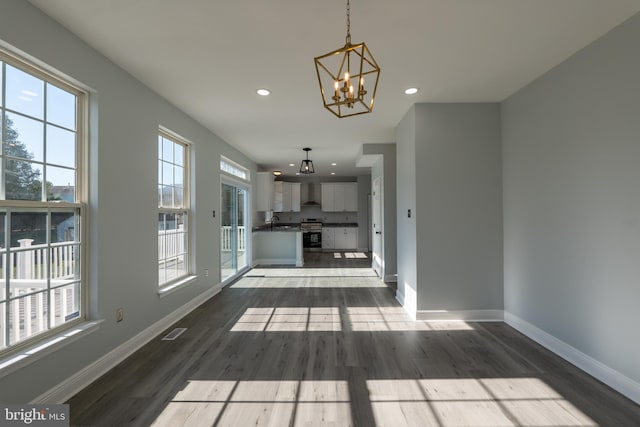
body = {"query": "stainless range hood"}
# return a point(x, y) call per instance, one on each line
point(312, 198)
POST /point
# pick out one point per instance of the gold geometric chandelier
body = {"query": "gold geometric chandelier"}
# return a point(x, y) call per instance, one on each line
point(342, 75)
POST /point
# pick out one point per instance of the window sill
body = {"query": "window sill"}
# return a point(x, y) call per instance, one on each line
point(19, 360)
point(169, 289)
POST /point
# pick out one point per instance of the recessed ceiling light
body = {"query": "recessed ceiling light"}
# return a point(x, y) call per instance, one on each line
point(333, 173)
point(263, 92)
point(411, 91)
point(334, 164)
point(277, 173)
point(292, 164)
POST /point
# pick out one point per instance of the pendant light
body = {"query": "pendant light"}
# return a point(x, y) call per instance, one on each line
point(306, 166)
point(342, 74)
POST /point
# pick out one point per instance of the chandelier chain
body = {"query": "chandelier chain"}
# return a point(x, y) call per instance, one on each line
point(348, 23)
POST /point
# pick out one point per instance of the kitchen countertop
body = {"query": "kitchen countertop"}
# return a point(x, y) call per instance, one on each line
point(293, 226)
point(278, 227)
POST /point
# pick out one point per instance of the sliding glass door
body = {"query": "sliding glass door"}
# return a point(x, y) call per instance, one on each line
point(233, 233)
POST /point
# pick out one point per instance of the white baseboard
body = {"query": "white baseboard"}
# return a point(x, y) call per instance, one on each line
point(278, 261)
point(393, 278)
point(72, 385)
point(464, 315)
point(408, 304)
point(593, 367)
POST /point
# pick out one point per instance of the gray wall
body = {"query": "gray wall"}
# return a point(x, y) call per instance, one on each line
point(572, 201)
point(456, 208)
point(121, 242)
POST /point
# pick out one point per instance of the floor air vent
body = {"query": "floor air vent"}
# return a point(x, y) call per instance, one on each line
point(174, 334)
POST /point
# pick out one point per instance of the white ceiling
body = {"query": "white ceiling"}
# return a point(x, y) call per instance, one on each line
point(208, 57)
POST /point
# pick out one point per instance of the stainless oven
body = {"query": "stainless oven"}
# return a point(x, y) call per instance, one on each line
point(311, 233)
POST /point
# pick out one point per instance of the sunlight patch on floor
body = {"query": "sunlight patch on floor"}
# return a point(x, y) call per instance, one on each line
point(350, 255)
point(312, 272)
point(325, 278)
point(445, 402)
point(240, 403)
point(318, 319)
point(289, 319)
point(491, 402)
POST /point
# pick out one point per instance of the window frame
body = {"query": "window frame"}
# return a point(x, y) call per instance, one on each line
point(49, 207)
point(184, 210)
point(232, 169)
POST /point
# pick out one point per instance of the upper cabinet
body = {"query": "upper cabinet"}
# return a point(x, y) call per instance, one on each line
point(339, 196)
point(265, 191)
point(286, 196)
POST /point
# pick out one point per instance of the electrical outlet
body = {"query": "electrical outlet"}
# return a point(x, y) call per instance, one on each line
point(120, 315)
point(206, 272)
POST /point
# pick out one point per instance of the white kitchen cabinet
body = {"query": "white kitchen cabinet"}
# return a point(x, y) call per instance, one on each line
point(327, 204)
point(340, 238)
point(278, 189)
point(346, 238)
point(339, 196)
point(350, 196)
point(328, 238)
point(265, 191)
point(287, 197)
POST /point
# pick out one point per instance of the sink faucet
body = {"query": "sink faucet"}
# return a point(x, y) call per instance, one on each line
point(275, 219)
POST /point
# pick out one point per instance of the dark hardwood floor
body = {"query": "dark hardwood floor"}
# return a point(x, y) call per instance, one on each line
point(329, 345)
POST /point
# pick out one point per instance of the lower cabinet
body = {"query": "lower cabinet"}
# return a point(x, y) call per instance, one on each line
point(328, 238)
point(339, 238)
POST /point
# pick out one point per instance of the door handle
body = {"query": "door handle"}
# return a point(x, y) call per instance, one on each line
point(378, 232)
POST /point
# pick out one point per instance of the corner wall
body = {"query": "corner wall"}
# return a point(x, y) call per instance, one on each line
point(571, 156)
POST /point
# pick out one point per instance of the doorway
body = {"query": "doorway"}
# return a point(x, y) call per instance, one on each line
point(376, 229)
point(233, 231)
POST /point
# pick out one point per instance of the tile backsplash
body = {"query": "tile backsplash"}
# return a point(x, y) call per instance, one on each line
point(316, 212)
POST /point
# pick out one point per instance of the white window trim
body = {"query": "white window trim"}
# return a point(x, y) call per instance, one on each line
point(30, 349)
point(235, 165)
point(170, 286)
point(25, 356)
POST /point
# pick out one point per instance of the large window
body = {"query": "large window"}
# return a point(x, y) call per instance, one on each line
point(40, 203)
point(173, 202)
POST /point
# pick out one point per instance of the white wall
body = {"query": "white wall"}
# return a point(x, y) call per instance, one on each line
point(407, 290)
point(364, 230)
point(571, 164)
point(122, 238)
point(384, 165)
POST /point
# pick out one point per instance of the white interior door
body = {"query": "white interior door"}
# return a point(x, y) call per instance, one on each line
point(376, 253)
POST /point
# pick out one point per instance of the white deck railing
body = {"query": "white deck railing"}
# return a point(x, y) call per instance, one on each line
point(171, 243)
point(226, 238)
point(30, 302)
